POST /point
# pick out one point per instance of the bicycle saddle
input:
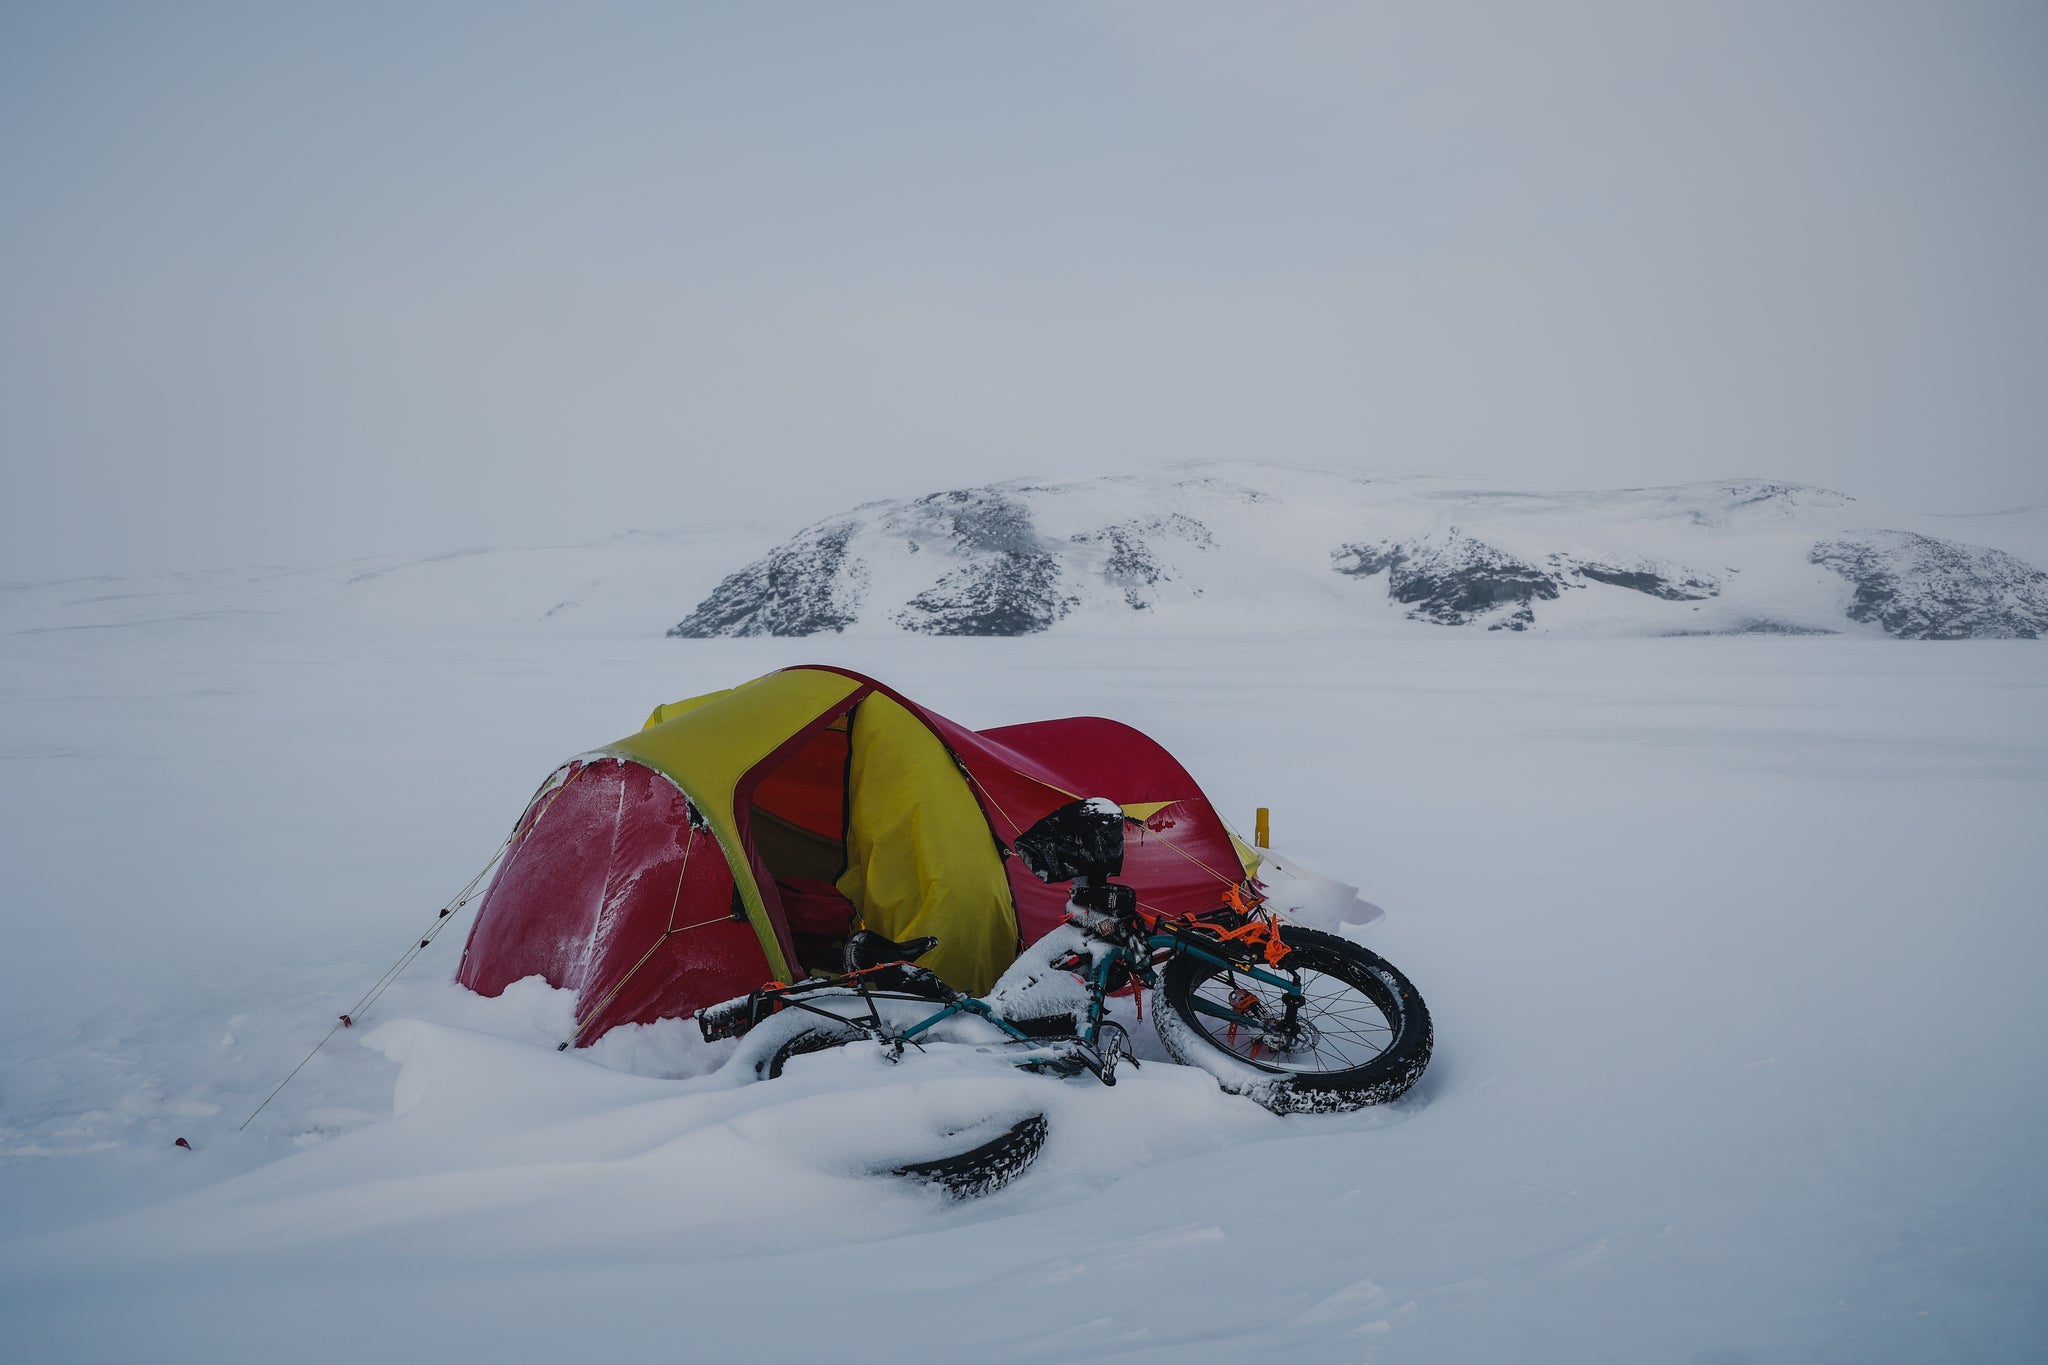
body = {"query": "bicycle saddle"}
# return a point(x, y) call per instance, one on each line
point(869, 949)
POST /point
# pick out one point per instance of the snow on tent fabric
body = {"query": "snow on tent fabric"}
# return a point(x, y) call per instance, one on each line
point(741, 836)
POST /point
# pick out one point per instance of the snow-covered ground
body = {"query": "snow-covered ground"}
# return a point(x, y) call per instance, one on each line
point(1733, 946)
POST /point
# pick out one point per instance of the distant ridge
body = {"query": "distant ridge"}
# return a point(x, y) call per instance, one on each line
point(1269, 546)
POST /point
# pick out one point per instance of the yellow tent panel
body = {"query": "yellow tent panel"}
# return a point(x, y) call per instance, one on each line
point(920, 858)
point(705, 745)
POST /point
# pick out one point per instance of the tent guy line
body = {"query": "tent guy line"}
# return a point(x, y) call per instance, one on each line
point(442, 917)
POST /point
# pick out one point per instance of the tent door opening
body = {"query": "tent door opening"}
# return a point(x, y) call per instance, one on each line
point(797, 823)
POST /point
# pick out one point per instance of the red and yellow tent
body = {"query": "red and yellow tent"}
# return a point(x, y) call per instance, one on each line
point(739, 837)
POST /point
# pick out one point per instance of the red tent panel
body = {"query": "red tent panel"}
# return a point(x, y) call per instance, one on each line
point(1181, 863)
point(605, 867)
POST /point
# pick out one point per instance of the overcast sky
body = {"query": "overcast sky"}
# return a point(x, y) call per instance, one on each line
point(285, 282)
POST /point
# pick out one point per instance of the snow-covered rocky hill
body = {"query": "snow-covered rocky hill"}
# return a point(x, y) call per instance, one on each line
point(1261, 546)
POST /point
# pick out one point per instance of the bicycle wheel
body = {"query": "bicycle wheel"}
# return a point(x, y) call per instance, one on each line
point(981, 1169)
point(812, 1038)
point(1360, 1036)
point(986, 1168)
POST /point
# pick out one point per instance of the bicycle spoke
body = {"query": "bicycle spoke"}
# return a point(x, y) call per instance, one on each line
point(1343, 1027)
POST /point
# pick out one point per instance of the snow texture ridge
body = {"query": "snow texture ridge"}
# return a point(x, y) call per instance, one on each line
point(1269, 547)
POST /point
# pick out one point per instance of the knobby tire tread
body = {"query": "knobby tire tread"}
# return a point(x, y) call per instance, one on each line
point(980, 1170)
point(987, 1168)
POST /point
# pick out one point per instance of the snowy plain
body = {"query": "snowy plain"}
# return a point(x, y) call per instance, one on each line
point(1733, 947)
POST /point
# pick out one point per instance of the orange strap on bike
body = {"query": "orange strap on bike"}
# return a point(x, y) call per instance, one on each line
point(1259, 931)
point(1239, 900)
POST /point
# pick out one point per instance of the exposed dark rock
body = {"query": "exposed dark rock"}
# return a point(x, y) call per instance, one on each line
point(1007, 592)
point(1688, 588)
point(1761, 627)
point(1133, 565)
point(1920, 588)
point(990, 570)
point(980, 520)
point(1009, 584)
point(1006, 582)
point(801, 588)
point(1757, 626)
point(1454, 580)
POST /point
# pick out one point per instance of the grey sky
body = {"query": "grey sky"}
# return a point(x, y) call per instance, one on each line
point(302, 282)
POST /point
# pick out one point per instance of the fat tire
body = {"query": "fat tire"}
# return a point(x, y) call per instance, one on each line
point(980, 1170)
point(986, 1168)
point(817, 1038)
point(1385, 1077)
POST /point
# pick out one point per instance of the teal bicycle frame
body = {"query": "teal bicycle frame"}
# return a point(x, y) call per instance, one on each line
point(1099, 990)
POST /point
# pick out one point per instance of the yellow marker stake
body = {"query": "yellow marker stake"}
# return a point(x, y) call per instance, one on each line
point(1261, 833)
